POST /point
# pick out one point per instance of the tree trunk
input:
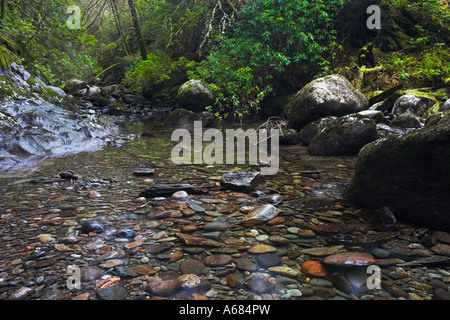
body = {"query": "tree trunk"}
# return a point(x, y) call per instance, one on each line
point(2, 9)
point(137, 29)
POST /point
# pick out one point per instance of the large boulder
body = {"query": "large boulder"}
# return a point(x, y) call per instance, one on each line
point(344, 136)
point(329, 96)
point(182, 118)
point(408, 173)
point(194, 96)
point(406, 120)
point(74, 86)
point(311, 130)
point(413, 104)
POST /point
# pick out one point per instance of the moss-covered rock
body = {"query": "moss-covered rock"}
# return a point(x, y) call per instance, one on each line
point(406, 120)
point(181, 118)
point(194, 96)
point(408, 173)
point(332, 95)
point(415, 104)
point(73, 86)
point(311, 130)
point(344, 136)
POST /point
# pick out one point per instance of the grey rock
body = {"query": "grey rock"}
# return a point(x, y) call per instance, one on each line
point(242, 181)
point(410, 103)
point(194, 96)
point(409, 174)
point(344, 136)
point(331, 95)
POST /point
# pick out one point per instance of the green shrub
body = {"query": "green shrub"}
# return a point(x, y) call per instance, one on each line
point(155, 73)
point(269, 39)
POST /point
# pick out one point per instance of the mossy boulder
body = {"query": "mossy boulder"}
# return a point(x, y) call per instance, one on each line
point(408, 173)
point(194, 96)
point(415, 104)
point(406, 120)
point(344, 136)
point(311, 130)
point(332, 95)
point(73, 86)
point(182, 118)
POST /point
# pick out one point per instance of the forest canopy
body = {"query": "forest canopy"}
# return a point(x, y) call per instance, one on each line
point(246, 51)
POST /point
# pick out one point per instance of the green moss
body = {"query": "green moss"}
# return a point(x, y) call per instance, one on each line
point(118, 105)
point(7, 57)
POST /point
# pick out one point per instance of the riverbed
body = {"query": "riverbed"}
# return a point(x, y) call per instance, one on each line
point(319, 245)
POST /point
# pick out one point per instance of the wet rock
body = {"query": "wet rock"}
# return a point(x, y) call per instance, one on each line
point(441, 294)
point(259, 215)
point(395, 172)
point(267, 260)
point(329, 96)
point(166, 190)
point(92, 194)
point(192, 266)
point(189, 281)
point(113, 293)
point(308, 132)
point(245, 264)
point(272, 198)
point(190, 240)
point(289, 137)
point(410, 103)
point(285, 271)
point(74, 85)
point(217, 260)
point(194, 96)
point(344, 136)
point(406, 120)
point(164, 288)
point(21, 294)
point(350, 259)
point(262, 248)
point(313, 268)
point(45, 262)
point(144, 172)
point(322, 251)
point(126, 233)
point(143, 269)
point(182, 118)
point(442, 236)
point(52, 293)
point(404, 254)
point(375, 115)
point(215, 226)
point(261, 283)
point(441, 249)
point(242, 181)
point(91, 273)
point(180, 195)
point(92, 226)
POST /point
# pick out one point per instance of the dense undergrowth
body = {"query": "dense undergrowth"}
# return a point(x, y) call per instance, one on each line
point(247, 52)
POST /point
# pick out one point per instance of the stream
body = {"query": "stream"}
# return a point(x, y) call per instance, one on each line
point(318, 246)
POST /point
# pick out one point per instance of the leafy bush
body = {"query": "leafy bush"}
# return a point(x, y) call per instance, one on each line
point(47, 46)
point(270, 38)
point(155, 73)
